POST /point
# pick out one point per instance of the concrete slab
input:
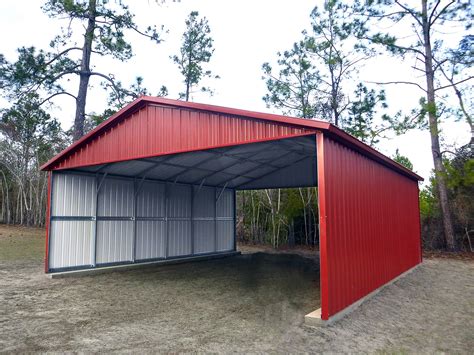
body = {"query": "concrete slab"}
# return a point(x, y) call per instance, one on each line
point(125, 267)
point(314, 318)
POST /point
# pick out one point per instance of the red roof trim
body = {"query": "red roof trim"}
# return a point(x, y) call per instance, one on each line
point(326, 127)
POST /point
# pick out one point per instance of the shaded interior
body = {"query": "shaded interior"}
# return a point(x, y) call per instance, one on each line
point(289, 162)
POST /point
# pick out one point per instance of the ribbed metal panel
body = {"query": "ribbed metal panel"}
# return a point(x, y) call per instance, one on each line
point(179, 200)
point(225, 204)
point(151, 200)
point(80, 191)
point(129, 168)
point(204, 236)
point(179, 238)
point(225, 235)
point(301, 173)
point(116, 198)
point(114, 241)
point(370, 228)
point(70, 243)
point(164, 216)
point(163, 172)
point(150, 240)
point(204, 202)
point(155, 130)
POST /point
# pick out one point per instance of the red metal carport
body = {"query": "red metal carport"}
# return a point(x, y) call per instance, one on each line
point(368, 204)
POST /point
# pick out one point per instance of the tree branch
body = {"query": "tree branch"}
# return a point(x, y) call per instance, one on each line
point(440, 13)
point(398, 82)
point(57, 94)
point(410, 11)
point(60, 54)
point(114, 86)
point(454, 84)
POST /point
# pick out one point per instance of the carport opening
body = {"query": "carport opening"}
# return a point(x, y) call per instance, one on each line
point(285, 220)
point(283, 171)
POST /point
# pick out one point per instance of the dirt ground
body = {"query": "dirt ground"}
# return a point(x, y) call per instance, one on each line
point(251, 303)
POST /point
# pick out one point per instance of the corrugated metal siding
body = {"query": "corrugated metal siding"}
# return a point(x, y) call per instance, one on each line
point(115, 198)
point(80, 191)
point(225, 222)
point(302, 173)
point(155, 130)
point(114, 241)
point(70, 244)
point(225, 235)
point(164, 216)
point(370, 231)
point(151, 200)
point(179, 238)
point(204, 236)
point(204, 202)
point(179, 201)
point(225, 204)
point(204, 224)
point(151, 240)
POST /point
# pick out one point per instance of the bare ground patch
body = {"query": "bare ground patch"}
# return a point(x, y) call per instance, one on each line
point(251, 303)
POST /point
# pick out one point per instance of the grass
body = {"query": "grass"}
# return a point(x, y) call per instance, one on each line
point(21, 243)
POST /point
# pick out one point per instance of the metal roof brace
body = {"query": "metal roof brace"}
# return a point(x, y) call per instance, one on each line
point(220, 193)
point(200, 186)
point(102, 168)
point(270, 172)
point(101, 181)
point(156, 164)
point(250, 170)
point(139, 187)
point(175, 176)
point(239, 161)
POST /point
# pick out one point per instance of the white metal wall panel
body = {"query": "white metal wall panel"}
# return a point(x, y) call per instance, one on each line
point(204, 236)
point(114, 241)
point(172, 220)
point(204, 202)
point(73, 195)
point(225, 204)
point(225, 235)
point(179, 200)
point(70, 244)
point(179, 238)
point(151, 200)
point(116, 198)
point(204, 208)
point(150, 240)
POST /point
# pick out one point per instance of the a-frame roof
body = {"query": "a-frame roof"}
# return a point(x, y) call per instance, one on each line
point(153, 126)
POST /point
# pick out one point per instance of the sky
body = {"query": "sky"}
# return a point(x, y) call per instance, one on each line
point(246, 34)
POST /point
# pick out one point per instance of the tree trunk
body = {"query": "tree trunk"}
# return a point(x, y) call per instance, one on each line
point(85, 74)
point(434, 133)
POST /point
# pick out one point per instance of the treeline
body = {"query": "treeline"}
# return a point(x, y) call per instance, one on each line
point(318, 76)
point(30, 137)
point(460, 182)
point(278, 217)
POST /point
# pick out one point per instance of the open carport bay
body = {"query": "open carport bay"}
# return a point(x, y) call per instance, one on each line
point(249, 303)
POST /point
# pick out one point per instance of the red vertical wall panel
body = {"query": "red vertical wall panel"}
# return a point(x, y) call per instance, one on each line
point(369, 225)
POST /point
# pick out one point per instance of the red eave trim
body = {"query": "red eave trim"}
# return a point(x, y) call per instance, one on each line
point(332, 130)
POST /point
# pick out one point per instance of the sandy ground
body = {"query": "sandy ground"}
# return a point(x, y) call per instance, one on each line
point(251, 303)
